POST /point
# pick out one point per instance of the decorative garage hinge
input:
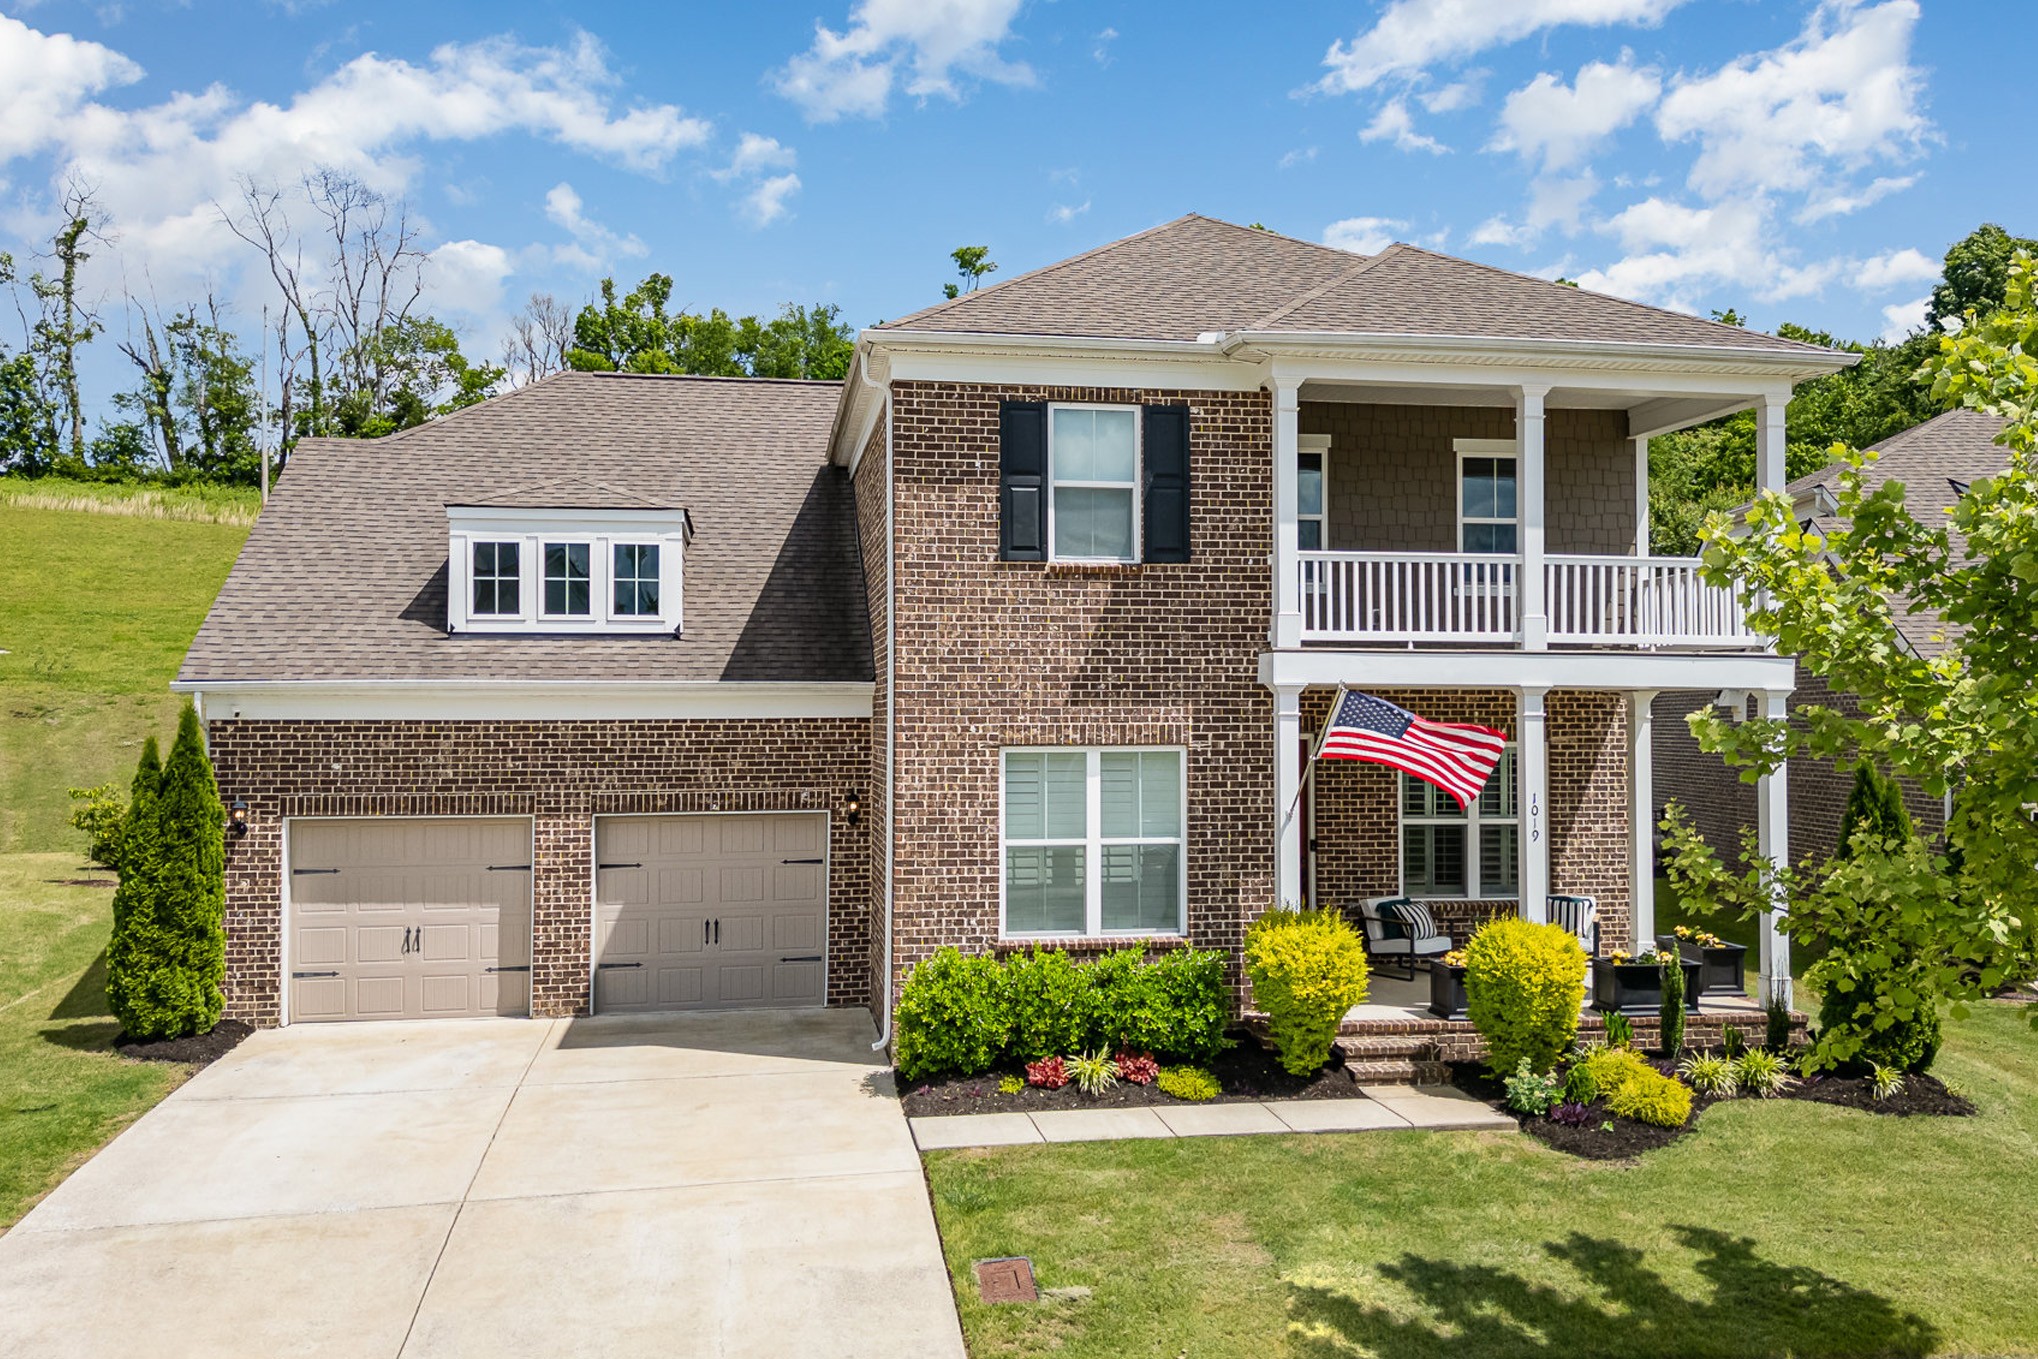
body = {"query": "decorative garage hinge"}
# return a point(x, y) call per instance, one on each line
point(520, 967)
point(606, 867)
point(801, 861)
point(314, 974)
point(803, 958)
point(509, 868)
point(609, 965)
point(301, 872)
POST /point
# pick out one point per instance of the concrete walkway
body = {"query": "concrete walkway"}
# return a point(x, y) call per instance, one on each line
point(658, 1185)
point(1381, 1107)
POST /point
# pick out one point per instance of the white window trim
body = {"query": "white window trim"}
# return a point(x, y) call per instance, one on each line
point(1488, 448)
point(1054, 553)
point(1094, 841)
point(474, 544)
point(638, 578)
point(602, 531)
point(1471, 820)
point(1319, 445)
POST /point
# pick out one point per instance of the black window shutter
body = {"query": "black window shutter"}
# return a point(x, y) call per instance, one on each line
point(1022, 481)
point(1166, 512)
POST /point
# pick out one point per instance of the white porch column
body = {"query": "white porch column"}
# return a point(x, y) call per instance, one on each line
point(1287, 786)
point(1532, 767)
point(1769, 442)
point(1287, 628)
point(1528, 430)
point(1772, 826)
point(1641, 816)
point(1642, 496)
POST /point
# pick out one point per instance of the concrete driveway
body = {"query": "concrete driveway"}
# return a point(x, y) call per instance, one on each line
point(734, 1184)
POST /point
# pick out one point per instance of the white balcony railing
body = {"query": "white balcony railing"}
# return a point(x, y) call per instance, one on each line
point(1468, 597)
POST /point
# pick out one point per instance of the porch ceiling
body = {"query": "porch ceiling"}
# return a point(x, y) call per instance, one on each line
point(1649, 412)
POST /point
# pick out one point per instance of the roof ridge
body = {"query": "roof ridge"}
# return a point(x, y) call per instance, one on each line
point(691, 377)
point(1278, 235)
point(1365, 262)
point(1041, 272)
point(1611, 297)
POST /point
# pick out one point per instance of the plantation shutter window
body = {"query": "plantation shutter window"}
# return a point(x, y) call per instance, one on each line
point(1093, 842)
point(1022, 481)
point(1166, 456)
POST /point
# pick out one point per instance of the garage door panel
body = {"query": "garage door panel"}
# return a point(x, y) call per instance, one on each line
point(737, 983)
point(681, 934)
point(623, 886)
point(676, 837)
point(792, 983)
point(322, 998)
point(740, 883)
point(625, 939)
point(679, 987)
point(379, 997)
point(682, 886)
point(738, 835)
point(317, 947)
point(622, 989)
point(374, 944)
point(450, 995)
point(741, 934)
point(797, 837)
point(796, 882)
point(449, 943)
point(795, 932)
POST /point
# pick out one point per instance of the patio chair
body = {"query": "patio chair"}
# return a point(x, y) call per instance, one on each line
point(1401, 928)
point(1580, 915)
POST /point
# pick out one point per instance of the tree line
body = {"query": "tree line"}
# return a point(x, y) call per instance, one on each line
point(343, 348)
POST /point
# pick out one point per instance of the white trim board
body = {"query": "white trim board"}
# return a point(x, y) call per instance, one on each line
point(505, 701)
point(1612, 670)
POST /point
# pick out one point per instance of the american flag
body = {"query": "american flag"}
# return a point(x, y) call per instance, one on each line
point(1455, 756)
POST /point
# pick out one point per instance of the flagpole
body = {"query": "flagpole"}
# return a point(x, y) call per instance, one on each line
point(1302, 785)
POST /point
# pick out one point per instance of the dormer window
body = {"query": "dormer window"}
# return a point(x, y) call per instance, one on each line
point(567, 556)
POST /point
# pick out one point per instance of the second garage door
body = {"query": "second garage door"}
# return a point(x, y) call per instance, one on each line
point(710, 911)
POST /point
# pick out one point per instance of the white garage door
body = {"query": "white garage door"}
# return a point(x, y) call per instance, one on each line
point(710, 912)
point(409, 918)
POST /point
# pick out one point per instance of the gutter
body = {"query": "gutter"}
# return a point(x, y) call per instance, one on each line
point(884, 1022)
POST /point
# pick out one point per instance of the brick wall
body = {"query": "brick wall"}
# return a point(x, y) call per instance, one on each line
point(1393, 475)
point(870, 488)
point(1358, 823)
point(993, 654)
point(562, 774)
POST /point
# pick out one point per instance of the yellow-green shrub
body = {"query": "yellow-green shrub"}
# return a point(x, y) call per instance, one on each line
point(1525, 984)
point(1307, 968)
point(1188, 1082)
point(1652, 1097)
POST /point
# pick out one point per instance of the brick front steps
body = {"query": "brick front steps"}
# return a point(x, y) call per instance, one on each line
point(1416, 1051)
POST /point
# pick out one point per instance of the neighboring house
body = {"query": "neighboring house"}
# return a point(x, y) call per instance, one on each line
point(623, 692)
point(1935, 462)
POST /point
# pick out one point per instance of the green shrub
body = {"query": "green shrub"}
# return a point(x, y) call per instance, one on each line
point(103, 818)
point(1525, 984)
point(952, 1018)
point(1608, 1068)
point(1046, 994)
point(1307, 968)
point(1620, 1031)
point(1652, 1097)
point(1176, 1007)
point(1760, 1072)
point(1009, 1084)
point(1672, 1012)
point(1532, 1092)
point(1710, 1075)
point(1110, 994)
point(1579, 1086)
point(1875, 808)
point(130, 950)
point(1776, 1025)
point(1908, 1044)
point(1188, 1082)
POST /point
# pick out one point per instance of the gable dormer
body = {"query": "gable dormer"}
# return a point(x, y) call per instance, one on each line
point(569, 555)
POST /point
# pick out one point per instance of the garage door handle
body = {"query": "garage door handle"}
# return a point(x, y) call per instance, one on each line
point(803, 958)
point(303, 872)
point(606, 867)
point(609, 965)
point(314, 974)
point(799, 861)
point(509, 868)
point(521, 967)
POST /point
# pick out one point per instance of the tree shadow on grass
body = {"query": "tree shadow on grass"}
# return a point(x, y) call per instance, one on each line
point(1754, 1309)
point(87, 997)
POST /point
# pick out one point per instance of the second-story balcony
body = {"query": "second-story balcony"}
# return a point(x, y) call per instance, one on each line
point(1366, 598)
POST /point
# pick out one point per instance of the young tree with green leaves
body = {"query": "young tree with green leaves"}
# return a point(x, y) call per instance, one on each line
point(974, 264)
point(1874, 806)
point(638, 332)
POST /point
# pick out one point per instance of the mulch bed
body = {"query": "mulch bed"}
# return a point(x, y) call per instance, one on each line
point(1609, 1137)
point(199, 1049)
point(1244, 1073)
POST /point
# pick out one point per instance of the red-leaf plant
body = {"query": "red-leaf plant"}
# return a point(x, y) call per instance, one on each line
point(1139, 1068)
point(1050, 1073)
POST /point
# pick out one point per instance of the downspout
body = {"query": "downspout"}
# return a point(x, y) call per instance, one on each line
point(884, 1023)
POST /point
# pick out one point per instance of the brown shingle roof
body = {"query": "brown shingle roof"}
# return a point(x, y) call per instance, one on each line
point(1196, 275)
point(344, 576)
point(1929, 459)
point(567, 493)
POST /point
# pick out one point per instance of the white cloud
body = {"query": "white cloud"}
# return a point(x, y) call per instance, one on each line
point(1101, 52)
point(1393, 123)
point(1840, 202)
point(1461, 94)
point(1301, 155)
point(1893, 269)
point(594, 245)
point(1364, 235)
point(1676, 254)
point(1497, 230)
point(44, 77)
point(1412, 35)
point(1901, 318)
point(756, 154)
point(1558, 123)
point(1061, 214)
point(1841, 94)
point(920, 44)
point(468, 276)
point(766, 203)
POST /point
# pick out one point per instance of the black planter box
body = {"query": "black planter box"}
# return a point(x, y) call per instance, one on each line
point(1447, 991)
point(1720, 967)
point(1636, 989)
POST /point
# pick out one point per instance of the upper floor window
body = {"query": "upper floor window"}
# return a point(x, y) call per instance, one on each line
point(498, 579)
point(1093, 473)
point(1309, 498)
point(1093, 842)
point(566, 580)
point(1453, 851)
point(1489, 518)
point(636, 578)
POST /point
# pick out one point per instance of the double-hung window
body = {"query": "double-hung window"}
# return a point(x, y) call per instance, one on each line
point(1309, 502)
point(636, 579)
point(1453, 851)
point(567, 584)
point(1489, 519)
point(1093, 842)
point(498, 579)
point(1093, 467)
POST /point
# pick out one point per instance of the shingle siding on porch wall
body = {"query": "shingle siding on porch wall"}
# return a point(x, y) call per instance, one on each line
point(870, 489)
point(1393, 475)
point(993, 654)
point(1358, 824)
point(1720, 804)
point(562, 774)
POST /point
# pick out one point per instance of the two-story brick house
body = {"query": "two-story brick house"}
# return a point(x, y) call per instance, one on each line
point(633, 692)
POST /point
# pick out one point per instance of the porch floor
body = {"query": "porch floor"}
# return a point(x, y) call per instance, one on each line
point(1393, 1000)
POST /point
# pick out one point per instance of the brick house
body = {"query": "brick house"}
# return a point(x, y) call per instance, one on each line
point(622, 692)
point(1935, 462)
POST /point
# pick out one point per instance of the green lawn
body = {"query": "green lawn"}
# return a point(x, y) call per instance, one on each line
point(96, 610)
point(63, 1092)
point(1778, 1229)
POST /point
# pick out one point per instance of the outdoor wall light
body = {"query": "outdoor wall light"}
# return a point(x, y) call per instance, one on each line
point(853, 804)
point(237, 817)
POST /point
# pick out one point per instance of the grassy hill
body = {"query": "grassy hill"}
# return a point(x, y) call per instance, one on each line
point(97, 604)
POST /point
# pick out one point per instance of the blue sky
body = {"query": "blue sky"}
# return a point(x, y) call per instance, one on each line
point(1803, 160)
